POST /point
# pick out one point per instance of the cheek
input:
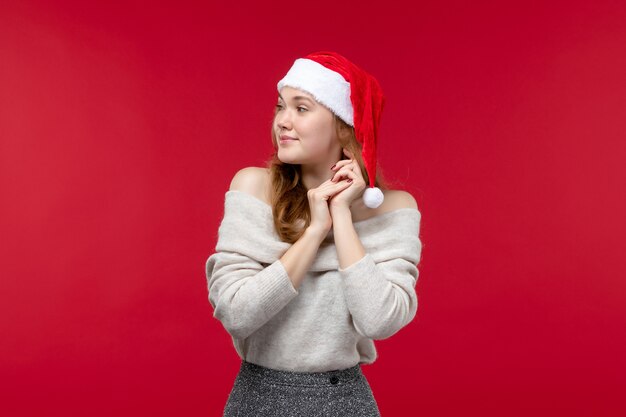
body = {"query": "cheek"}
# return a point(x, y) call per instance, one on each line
point(319, 145)
point(316, 133)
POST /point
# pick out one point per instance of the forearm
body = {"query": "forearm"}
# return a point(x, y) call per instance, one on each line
point(301, 254)
point(245, 295)
point(349, 246)
point(381, 298)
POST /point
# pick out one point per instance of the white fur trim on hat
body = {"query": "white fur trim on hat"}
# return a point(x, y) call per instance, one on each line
point(327, 86)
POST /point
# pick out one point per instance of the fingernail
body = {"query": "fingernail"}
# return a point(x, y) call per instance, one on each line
point(350, 180)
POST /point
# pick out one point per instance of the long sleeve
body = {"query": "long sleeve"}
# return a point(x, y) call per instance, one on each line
point(328, 322)
point(246, 281)
point(244, 293)
point(381, 296)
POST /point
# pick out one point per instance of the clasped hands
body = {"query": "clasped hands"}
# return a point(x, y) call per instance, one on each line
point(347, 168)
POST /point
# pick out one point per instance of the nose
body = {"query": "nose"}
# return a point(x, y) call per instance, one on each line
point(283, 119)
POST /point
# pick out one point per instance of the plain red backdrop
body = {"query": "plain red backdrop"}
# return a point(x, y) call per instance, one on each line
point(122, 123)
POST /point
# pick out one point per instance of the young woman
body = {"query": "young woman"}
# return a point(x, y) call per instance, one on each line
point(316, 257)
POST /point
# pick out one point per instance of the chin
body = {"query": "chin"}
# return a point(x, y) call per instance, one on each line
point(285, 158)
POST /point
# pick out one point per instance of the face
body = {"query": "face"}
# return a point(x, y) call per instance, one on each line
point(299, 116)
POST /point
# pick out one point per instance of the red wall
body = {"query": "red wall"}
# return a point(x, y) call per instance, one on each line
point(122, 123)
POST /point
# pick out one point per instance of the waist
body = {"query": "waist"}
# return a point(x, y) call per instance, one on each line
point(278, 376)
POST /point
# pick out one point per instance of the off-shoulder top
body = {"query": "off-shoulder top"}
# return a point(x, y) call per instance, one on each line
point(331, 321)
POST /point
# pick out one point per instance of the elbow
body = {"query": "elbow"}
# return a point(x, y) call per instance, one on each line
point(386, 325)
point(377, 331)
point(239, 332)
point(236, 327)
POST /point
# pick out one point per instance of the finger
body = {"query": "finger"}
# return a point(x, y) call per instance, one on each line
point(357, 169)
point(346, 172)
point(348, 162)
point(329, 186)
point(340, 186)
point(341, 163)
point(329, 191)
point(340, 183)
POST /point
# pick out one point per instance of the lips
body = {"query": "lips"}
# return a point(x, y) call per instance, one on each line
point(285, 137)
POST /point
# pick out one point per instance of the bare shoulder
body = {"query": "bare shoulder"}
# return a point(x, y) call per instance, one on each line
point(397, 199)
point(252, 180)
point(394, 199)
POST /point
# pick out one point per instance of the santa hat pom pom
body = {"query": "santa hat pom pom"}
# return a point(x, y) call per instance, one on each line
point(373, 197)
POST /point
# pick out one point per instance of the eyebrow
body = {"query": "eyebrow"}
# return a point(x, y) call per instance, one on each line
point(298, 98)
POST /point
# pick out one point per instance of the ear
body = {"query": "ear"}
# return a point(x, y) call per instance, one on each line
point(344, 132)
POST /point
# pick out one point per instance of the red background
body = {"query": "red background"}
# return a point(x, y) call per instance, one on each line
point(122, 123)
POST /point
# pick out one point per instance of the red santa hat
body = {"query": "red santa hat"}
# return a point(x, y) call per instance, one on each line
point(352, 94)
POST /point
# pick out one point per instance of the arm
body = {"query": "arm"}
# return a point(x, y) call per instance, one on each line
point(381, 296)
point(244, 293)
point(299, 257)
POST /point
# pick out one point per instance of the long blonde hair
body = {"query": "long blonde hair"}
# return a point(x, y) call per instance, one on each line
point(288, 198)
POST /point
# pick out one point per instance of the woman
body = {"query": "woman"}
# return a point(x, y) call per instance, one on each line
point(311, 263)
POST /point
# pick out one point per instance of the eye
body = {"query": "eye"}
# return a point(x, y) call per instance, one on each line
point(279, 107)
